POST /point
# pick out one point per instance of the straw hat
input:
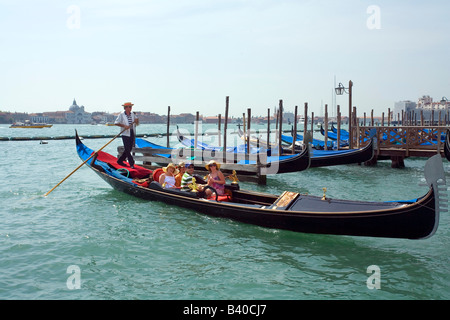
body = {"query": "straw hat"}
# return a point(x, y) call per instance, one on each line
point(212, 162)
point(127, 104)
point(171, 165)
point(181, 164)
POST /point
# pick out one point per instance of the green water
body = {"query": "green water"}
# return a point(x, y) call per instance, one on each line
point(128, 248)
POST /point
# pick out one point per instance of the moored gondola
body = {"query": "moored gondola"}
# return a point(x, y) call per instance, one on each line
point(319, 158)
point(292, 211)
point(343, 133)
point(447, 145)
point(333, 136)
point(271, 164)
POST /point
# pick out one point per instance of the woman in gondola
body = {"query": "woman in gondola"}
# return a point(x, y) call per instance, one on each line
point(167, 179)
point(216, 179)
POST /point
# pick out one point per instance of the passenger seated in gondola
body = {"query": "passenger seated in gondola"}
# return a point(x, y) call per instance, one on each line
point(167, 179)
point(216, 179)
point(182, 169)
point(187, 181)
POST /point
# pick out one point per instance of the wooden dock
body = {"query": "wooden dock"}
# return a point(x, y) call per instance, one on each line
point(399, 142)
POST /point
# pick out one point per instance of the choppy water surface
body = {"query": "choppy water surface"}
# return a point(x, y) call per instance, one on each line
point(127, 248)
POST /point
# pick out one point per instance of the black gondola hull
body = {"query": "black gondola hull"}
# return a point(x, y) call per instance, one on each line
point(409, 223)
point(357, 156)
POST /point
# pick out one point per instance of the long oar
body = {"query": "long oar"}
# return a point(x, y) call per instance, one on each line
point(84, 162)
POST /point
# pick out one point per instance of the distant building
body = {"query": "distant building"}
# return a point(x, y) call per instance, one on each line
point(288, 117)
point(403, 106)
point(149, 117)
point(39, 118)
point(425, 107)
point(183, 118)
point(77, 114)
point(58, 117)
point(426, 103)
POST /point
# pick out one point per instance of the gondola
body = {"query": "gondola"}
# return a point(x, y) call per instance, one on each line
point(414, 219)
point(190, 143)
point(325, 158)
point(274, 164)
point(333, 136)
point(261, 143)
point(447, 145)
point(30, 125)
point(343, 133)
point(315, 143)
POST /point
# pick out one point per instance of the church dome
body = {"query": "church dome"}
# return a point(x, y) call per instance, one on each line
point(74, 107)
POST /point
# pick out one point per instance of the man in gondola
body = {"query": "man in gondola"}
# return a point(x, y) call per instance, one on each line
point(187, 182)
point(127, 120)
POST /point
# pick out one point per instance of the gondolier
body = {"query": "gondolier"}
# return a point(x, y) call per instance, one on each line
point(127, 120)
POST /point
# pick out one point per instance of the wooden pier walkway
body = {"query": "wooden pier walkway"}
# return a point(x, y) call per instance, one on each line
point(400, 142)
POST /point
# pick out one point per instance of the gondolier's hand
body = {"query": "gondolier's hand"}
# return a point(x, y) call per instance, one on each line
point(124, 126)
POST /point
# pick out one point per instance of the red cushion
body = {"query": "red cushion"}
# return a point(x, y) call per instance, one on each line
point(223, 198)
point(143, 184)
point(136, 173)
point(219, 198)
point(157, 173)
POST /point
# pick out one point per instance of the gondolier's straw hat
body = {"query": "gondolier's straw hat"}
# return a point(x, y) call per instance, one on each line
point(212, 162)
point(127, 104)
point(173, 166)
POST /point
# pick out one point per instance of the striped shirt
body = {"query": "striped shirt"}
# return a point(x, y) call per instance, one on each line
point(130, 119)
point(124, 119)
point(186, 181)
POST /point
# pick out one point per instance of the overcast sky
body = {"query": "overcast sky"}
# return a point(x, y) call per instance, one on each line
point(191, 54)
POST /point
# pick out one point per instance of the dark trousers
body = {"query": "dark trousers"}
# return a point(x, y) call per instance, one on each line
point(128, 144)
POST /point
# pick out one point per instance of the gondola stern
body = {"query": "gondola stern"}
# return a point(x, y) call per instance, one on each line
point(447, 145)
point(435, 178)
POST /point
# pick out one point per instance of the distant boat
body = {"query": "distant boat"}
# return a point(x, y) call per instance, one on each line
point(109, 124)
point(29, 124)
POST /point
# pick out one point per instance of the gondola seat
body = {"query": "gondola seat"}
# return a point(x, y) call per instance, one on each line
point(136, 173)
point(142, 183)
point(157, 173)
point(225, 197)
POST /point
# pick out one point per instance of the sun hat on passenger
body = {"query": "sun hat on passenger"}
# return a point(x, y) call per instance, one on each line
point(181, 164)
point(171, 165)
point(212, 162)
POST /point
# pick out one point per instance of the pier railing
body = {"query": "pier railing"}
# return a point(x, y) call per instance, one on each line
point(404, 140)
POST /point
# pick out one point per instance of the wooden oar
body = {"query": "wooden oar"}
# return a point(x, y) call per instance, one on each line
point(84, 162)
